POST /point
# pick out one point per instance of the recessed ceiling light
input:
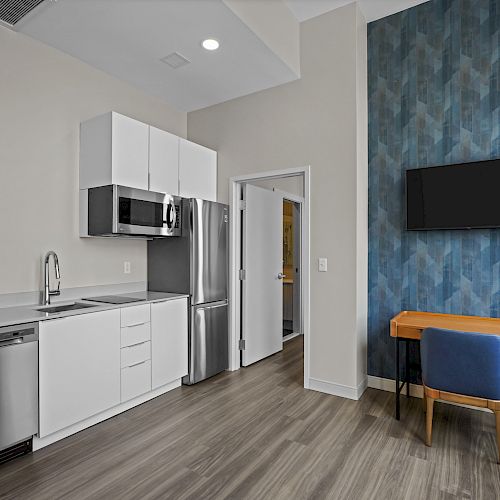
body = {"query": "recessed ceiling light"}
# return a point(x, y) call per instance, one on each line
point(210, 44)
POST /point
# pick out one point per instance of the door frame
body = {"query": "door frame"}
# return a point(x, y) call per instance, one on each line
point(235, 189)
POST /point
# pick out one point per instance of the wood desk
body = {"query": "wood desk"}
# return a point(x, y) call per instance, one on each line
point(408, 326)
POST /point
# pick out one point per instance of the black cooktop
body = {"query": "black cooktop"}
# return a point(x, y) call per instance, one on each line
point(114, 299)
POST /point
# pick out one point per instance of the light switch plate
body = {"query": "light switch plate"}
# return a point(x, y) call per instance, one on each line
point(322, 264)
point(126, 267)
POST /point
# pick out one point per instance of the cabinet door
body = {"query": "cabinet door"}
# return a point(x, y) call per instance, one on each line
point(197, 171)
point(130, 152)
point(79, 360)
point(169, 341)
point(163, 162)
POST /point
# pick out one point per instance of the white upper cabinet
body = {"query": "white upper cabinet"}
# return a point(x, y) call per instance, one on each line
point(130, 148)
point(114, 149)
point(197, 171)
point(163, 161)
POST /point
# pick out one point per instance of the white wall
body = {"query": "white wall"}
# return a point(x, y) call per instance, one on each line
point(44, 95)
point(292, 185)
point(313, 121)
point(362, 198)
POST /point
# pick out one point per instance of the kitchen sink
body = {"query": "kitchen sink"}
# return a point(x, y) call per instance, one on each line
point(64, 307)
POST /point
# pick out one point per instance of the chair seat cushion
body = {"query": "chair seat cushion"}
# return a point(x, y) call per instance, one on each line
point(461, 362)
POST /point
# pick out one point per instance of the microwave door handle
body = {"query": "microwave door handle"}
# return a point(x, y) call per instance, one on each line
point(166, 214)
point(170, 216)
point(173, 214)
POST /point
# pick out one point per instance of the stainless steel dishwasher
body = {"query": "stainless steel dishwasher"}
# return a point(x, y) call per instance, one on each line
point(18, 389)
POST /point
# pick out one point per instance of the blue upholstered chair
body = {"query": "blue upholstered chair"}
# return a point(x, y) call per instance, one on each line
point(461, 367)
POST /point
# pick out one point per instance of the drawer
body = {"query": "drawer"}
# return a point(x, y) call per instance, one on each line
point(135, 315)
point(135, 354)
point(409, 332)
point(136, 380)
point(135, 334)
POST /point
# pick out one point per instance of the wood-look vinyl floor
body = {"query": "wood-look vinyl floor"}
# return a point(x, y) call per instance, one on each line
point(257, 434)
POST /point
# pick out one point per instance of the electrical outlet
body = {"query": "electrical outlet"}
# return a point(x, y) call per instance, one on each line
point(323, 265)
point(126, 267)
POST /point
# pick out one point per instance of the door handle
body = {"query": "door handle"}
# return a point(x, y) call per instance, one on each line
point(281, 276)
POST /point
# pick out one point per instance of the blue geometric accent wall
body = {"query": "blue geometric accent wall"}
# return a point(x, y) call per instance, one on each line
point(434, 99)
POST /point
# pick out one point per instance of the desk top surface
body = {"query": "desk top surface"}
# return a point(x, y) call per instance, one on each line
point(422, 320)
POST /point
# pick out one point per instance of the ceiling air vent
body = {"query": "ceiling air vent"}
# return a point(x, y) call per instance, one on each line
point(12, 11)
point(175, 60)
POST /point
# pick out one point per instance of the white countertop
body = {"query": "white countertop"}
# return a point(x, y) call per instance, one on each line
point(29, 313)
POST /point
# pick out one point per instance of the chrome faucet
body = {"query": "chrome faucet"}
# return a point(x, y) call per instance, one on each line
point(47, 292)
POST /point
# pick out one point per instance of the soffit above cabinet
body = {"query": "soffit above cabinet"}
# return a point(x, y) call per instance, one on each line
point(132, 39)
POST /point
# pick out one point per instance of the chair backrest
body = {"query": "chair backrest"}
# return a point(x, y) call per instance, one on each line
point(461, 362)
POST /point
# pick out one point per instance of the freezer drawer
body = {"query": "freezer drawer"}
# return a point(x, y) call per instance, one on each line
point(208, 341)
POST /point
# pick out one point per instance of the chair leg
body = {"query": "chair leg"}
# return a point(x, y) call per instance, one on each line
point(497, 417)
point(428, 421)
point(424, 401)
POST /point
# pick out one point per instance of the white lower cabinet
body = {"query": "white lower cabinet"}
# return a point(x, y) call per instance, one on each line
point(79, 374)
point(135, 354)
point(133, 335)
point(135, 351)
point(97, 362)
point(169, 341)
point(136, 380)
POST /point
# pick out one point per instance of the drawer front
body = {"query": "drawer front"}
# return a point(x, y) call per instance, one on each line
point(409, 332)
point(136, 380)
point(135, 354)
point(135, 315)
point(132, 335)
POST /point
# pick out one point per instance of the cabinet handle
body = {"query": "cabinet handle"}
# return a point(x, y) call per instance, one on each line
point(136, 324)
point(135, 345)
point(137, 364)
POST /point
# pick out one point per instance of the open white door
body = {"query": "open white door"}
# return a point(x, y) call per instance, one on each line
point(262, 262)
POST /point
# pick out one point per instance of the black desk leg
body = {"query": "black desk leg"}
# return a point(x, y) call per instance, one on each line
point(407, 368)
point(397, 379)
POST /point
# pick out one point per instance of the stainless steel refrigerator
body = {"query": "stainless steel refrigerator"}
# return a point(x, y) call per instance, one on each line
point(197, 263)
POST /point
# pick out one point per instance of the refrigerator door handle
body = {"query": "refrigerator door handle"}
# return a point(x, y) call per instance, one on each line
point(213, 306)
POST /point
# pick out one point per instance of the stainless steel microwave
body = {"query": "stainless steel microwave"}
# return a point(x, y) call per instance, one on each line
point(117, 210)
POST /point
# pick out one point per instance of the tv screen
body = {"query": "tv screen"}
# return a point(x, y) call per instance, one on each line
point(462, 196)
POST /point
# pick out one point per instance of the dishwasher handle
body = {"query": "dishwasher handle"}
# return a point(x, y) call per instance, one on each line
point(18, 334)
point(5, 343)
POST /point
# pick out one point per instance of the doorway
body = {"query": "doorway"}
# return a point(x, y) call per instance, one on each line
point(277, 264)
point(291, 269)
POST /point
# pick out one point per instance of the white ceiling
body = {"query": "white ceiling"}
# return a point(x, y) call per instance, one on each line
point(372, 9)
point(127, 39)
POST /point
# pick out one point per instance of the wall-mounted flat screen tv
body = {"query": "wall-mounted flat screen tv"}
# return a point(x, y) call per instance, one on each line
point(463, 196)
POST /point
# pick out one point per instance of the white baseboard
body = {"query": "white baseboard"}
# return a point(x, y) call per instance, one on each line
point(344, 391)
point(389, 385)
point(286, 338)
point(100, 417)
point(416, 390)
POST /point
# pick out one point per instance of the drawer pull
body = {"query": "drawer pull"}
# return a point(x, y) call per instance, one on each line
point(135, 345)
point(136, 324)
point(137, 364)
